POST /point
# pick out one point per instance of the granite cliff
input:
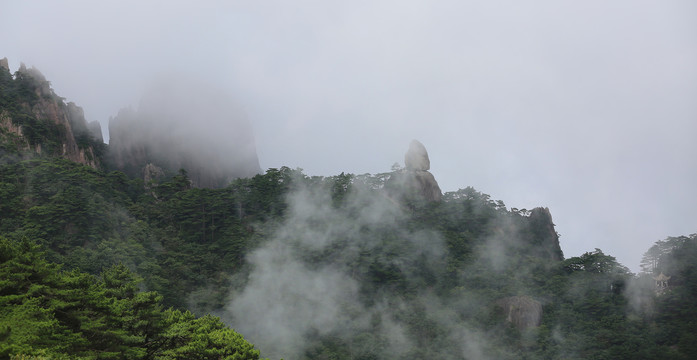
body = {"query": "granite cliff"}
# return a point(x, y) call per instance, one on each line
point(33, 118)
point(178, 125)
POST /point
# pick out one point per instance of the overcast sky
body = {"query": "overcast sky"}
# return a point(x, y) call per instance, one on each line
point(586, 107)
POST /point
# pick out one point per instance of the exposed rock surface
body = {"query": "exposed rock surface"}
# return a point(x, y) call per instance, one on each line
point(43, 123)
point(80, 126)
point(546, 239)
point(522, 311)
point(416, 157)
point(185, 125)
point(425, 184)
point(415, 182)
point(151, 172)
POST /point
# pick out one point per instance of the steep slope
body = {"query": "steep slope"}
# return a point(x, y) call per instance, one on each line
point(339, 267)
point(33, 118)
point(50, 313)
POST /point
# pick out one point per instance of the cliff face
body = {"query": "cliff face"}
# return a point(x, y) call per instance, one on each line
point(523, 312)
point(546, 238)
point(184, 126)
point(34, 118)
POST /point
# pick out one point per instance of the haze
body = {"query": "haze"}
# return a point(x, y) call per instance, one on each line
point(588, 108)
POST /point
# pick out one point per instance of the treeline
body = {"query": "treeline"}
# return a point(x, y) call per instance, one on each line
point(177, 237)
point(75, 240)
point(102, 231)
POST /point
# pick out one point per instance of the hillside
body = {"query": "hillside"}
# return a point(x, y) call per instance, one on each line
point(33, 118)
point(351, 266)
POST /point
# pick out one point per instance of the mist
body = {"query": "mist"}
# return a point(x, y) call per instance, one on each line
point(585, 108)
point(306, 281)
point(351, 265)
point(185, 123)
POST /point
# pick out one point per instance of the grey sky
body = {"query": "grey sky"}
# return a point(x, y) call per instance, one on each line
point(586, 107)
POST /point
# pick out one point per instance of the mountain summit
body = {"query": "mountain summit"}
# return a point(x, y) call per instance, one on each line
point(33, 118)
point(185, 125)
point(415, 181)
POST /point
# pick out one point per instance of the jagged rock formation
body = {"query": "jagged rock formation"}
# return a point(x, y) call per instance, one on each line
point(184, 125)
point(523, 312)
point(415, 181)
point(34, 118)
point(151, 173)
point(546, 239)
point(76, 117)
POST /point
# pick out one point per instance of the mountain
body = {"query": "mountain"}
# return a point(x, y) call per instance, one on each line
point(179, 125)
point(33, 117)
point(184, 124)
point(347, 266)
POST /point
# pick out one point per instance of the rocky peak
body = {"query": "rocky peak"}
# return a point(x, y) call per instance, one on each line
point(42, 86)
point(415, 181)
point(42, 122)
point(545, 237)
point(80, 126)
point(184, 124)
point(416, 158)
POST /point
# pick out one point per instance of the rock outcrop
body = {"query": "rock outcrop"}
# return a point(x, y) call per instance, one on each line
point(416, 158)
point(523, 312)
point(415, 181)
point(544, 237)
point(39, 120)
point(80, 126)
point(184, 125)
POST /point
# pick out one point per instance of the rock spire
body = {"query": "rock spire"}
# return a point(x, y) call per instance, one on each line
point(415, 182)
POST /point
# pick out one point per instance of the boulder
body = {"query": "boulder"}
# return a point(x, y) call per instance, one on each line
point(416, 157)
point(414, 182)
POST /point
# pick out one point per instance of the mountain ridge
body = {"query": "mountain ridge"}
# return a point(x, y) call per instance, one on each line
point(306, 267)
point(178, 126)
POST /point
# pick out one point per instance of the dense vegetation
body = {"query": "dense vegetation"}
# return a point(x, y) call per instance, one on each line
point(188, 243)
point(96, 264)
point(25, 101)
point(54, 313)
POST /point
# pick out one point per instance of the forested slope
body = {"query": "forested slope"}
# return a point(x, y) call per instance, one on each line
point(97, 264)
point(431, 271)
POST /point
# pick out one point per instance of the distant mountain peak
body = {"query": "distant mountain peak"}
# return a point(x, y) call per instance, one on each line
point(185, 124)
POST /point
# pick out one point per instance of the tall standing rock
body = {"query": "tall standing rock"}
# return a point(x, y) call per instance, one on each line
point(416, 158)
point(415, 182)
point(544, 237)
